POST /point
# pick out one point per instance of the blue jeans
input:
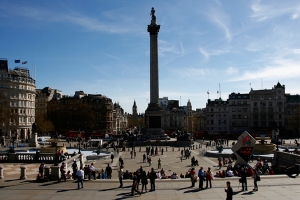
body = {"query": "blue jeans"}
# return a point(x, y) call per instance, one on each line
point(80, 180)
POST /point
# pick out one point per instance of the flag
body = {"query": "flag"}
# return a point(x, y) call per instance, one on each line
point(207, 92)
point(17, 61)
point(24, 63)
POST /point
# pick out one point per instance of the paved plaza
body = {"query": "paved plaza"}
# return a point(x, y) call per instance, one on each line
point(270, 187)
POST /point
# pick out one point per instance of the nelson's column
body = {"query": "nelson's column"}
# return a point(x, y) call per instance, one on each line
point(154, 111)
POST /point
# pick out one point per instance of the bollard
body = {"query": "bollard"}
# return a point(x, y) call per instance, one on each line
point(128, 148)
point(166, 149)
point(47, 171)
point(172, 148)
point(1, 173)
point(23, 172)
point(70, 145)
point(193, 147)
point(178, 148)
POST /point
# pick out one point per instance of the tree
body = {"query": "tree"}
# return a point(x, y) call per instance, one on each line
point(43, 124)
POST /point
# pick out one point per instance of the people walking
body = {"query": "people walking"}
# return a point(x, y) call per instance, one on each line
point(62, 172)
point(193, 176)
point(120, 175)
point(134, 185)
point(201, 175)
point(229, 191)
point(80, 177)
point(144, 180)
point(208, 177)
point(108, 171)
point(92, 171)
point(159, 163)
point(152, 177)
point(244, 179)
point(256, 178)
point(41, 169)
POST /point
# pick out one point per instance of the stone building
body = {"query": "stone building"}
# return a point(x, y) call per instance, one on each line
point(292, 115)
point(217, 116)
point(43, 96)
point(86, 112)
point(18, 89)
point(266, 106)
point(239, 113)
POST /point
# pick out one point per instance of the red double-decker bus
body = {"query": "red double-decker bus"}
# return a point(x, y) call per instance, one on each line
point(75, 134)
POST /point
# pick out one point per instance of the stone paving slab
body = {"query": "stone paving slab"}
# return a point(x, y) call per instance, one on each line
point(275, 188)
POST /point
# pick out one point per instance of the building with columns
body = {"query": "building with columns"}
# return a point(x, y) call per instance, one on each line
point(18, 90)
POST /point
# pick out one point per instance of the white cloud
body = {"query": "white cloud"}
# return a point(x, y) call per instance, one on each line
point(262, 12)
point(204, 53)
point(231, 70)
point(220, 19)
point(280, 70)
point(191, 72)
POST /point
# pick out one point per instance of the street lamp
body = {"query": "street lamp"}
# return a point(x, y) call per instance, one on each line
point(79, 140)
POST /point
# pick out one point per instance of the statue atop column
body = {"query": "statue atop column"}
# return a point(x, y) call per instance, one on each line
point(153, 17)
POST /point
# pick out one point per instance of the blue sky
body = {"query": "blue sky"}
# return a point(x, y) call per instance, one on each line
point(103, 46)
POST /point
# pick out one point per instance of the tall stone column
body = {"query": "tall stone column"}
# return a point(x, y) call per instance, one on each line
point(154, 111)
point(153, 30)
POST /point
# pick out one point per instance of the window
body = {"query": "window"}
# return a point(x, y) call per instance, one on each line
point(239, 102)
point(233, 116)
point(239, 116)
point(244, 109)
point(255, 104)
point(233, 103)
point(233, 109)
point(244, 102)
point(245, 116)
point(270, 104)
point(239, 109)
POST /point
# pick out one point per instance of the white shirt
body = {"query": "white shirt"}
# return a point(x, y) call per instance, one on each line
point(92, 168)
point(80, 172)
point(230, 173)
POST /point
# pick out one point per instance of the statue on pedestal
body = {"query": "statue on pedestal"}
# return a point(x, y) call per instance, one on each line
point(153, 20)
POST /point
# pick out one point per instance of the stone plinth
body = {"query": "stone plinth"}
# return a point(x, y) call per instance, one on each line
point(1, 173)
point(33, 141)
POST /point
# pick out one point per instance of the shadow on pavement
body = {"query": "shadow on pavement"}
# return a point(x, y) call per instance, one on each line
point(124, 196)
point(66, 190)
point(183, 188)
point(190, 191)
point(11, 180)
point(50, 183)
point(248, 193)
point(108, 189)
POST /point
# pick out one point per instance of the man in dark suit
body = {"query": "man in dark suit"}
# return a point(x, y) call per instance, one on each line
point(229, 191)
point(152, 178)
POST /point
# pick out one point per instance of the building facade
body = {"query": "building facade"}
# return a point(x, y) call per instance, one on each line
point(43, 96)
point(18, 88)
point(217, 116)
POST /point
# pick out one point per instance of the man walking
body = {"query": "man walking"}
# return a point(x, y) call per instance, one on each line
point(244, 179)
point(152, 178)
point(229, 191)
point(159, 163)
point(120, 175)
point(80, 176)
point(108, 171)
point(201, 175)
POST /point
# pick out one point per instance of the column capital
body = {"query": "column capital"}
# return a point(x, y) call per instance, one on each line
point(153, 29)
